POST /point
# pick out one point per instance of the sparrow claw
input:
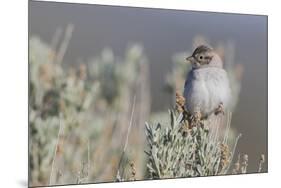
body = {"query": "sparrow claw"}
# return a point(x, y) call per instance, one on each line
point(219, 109)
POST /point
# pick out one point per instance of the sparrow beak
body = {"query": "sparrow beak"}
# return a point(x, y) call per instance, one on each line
point(189, 59)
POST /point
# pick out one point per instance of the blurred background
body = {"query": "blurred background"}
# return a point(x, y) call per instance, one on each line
point(92, 65)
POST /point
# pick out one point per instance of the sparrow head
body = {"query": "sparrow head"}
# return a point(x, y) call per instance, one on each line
point(204, 56)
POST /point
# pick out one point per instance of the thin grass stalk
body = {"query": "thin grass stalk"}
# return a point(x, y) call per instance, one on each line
point(233, 150)
point(55, 152)
point(126, 141)
point(65, 43)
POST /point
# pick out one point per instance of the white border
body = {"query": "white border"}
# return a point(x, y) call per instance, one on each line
point(13, 82)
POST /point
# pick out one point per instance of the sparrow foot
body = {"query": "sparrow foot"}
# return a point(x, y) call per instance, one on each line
point(219, 109)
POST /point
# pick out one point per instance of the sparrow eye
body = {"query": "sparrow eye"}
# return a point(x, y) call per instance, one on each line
point(201, 57)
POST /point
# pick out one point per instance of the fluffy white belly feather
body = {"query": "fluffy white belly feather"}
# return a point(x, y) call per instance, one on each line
point(205, 89)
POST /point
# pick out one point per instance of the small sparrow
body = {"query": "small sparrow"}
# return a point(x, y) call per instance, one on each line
point(206, 88)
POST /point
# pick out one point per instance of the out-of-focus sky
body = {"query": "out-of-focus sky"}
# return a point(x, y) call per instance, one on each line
point(162, 34)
